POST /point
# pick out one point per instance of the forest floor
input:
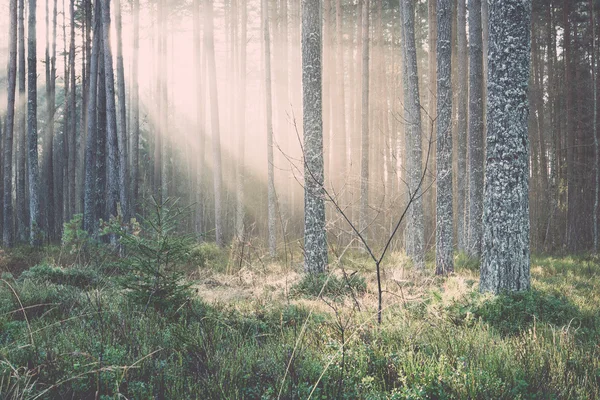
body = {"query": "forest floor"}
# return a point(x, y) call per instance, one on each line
point(72, 326)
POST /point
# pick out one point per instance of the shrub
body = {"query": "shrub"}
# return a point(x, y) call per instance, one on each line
point(153, 254)
point(329, 285)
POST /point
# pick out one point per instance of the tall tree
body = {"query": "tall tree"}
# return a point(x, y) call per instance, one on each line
point(7, 238)
point(475, 134)
point(462, 99)
point(269, 125)
point(415, 236)
point(364, 137)
point(209, 45)
point(21, 196)
point(32, 137)
point(444, 244)
point(241, 108)
point(112, 146)
point(505, 261)
point(91, 173)
point(315, 241)
point(135, 108)
point(122, 118)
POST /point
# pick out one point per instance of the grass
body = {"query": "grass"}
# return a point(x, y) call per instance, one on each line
point(70, 332)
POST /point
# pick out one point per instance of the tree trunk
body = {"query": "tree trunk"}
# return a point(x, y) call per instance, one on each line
point(32, 150)
point(444, 244)
point(269, 115)
point(214, 108)
point(315, 240)
point(462, 88)
point(7, 237)
point(22, 200)
point(415, 237)
point(475, 138)
point(505, 261)
point(364, 157)
point(135, 111)
point(122, 119)
point(112, 147)
point(241, 109)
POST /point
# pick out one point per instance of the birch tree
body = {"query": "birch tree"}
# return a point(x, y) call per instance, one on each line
point(444, 227)
point(364, 158)
point(315, 244)
point(505, 261)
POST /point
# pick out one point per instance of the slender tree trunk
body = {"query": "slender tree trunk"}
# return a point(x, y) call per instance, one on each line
point(364, 157)
point(341, 151)
point(594, 72)
point(315, 240)
point(415, 238)
point(505, 261)
point(90, 188)
point(214, 108)
point(135, 111)
point(444, 244)
point(22, 200)
point(7, 237)
point(475, 138)
point(122, 118)
point(241, 109)
point(32, 150)
point(269, 108)
point(112, 147)
point(72, 134)
point(462, 88)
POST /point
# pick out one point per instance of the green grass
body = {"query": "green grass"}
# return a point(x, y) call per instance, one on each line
point(80, 335)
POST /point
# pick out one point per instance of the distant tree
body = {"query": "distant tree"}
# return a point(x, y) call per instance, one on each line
point(444, 260)
point(505, 261)
point(315, 244)
point(209, 45)
point(475, 135)
point(271, 202)
point(364, 137)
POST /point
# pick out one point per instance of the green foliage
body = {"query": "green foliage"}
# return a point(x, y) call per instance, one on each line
point(208, 255)
point(329, 285)
point(78, 277)
point(154, 253)
point(85, 342)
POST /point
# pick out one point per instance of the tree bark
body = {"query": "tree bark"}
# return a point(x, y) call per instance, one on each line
point(32, 150)
point(475, 134)
point(505, 261)
point(122, 119)
point(462, 98)
point(112, 147)
point(22, 200)
point(444, 224)
point(315, 241)
point(7, 237)
point(415, 237)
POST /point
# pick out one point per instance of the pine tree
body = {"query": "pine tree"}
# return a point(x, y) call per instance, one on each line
point(505, 261)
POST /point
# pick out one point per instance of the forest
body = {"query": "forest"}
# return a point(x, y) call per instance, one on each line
point(299, 199)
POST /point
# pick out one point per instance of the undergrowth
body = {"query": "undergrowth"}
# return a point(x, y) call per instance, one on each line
point(71, 332)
